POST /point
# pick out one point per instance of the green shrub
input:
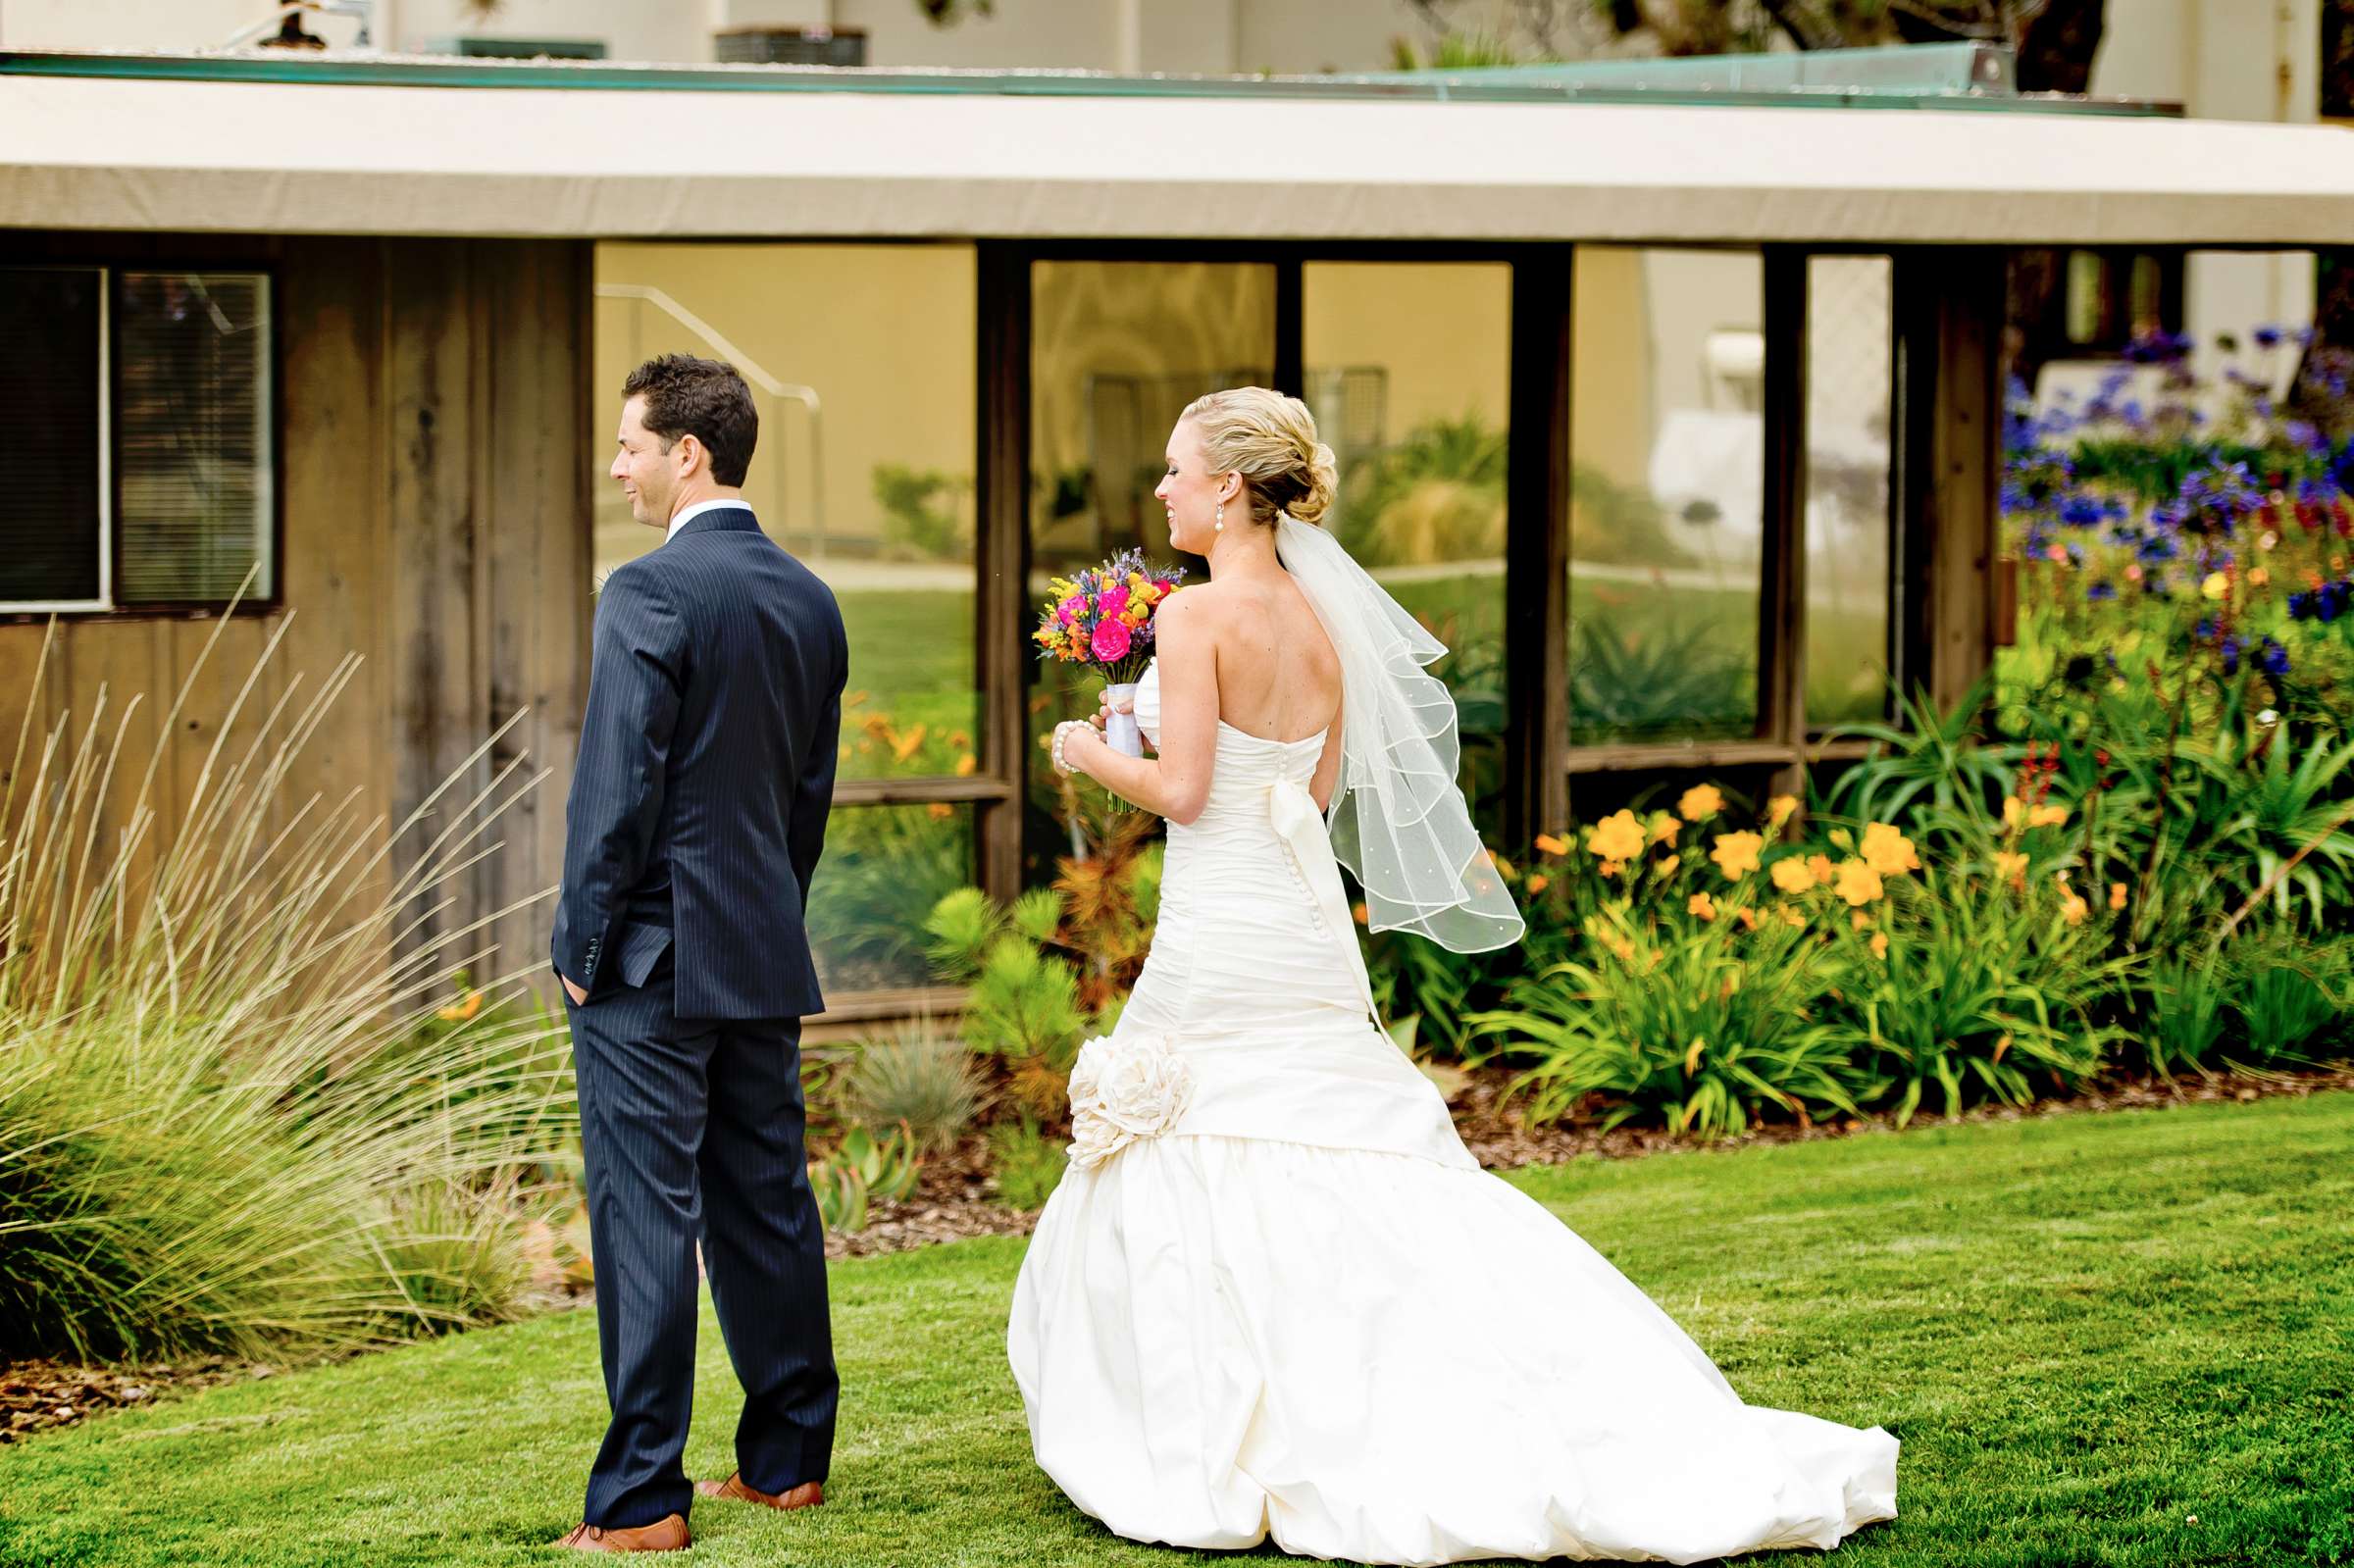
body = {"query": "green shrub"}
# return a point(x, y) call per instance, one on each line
point(1025, 1164)
point(2185, 1014)
point(2291, 999)
point(1976, 992)
point(1705, 1029)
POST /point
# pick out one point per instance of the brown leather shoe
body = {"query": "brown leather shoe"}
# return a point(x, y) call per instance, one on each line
point(667, 1534)
point(808, 1495)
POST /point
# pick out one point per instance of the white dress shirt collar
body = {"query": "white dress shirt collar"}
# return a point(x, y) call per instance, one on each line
point(679, 521)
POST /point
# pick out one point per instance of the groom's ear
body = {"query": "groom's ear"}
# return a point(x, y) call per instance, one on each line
point(690, 453)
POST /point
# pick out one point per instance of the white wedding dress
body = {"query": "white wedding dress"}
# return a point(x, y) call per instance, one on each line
point(1301, 1309)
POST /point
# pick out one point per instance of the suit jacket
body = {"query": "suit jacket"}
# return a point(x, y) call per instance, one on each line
point(706, 768)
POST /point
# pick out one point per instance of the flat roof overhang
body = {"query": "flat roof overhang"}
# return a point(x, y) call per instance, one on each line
point(369, 145)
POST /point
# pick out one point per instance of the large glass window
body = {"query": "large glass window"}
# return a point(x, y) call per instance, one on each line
point(861, 362)
point(1118, 349)
point(1850, 450)
point(1409, 372)
point(1666, 487)
point(883, 869)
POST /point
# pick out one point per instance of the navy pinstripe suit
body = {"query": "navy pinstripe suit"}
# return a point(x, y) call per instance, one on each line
point(695, 820)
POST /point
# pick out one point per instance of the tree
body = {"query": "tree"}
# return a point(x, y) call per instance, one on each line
point(2055, 39)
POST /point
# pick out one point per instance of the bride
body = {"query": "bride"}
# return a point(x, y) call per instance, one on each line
point(1273, 1293)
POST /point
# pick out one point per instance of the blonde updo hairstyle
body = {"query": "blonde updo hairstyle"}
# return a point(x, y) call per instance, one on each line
point(1270, 440)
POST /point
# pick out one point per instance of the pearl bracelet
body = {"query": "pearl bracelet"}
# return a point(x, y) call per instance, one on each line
point(1062, 733)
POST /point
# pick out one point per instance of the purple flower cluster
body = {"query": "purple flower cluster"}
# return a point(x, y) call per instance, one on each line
point(2270, 656)
point(2324, 603)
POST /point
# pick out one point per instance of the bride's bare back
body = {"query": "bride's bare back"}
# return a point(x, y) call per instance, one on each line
point(1249, 652)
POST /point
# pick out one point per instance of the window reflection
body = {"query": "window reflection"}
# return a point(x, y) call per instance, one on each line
point(1667, 486)
point(861, 358)
point(1117, 350)
point(1850, 386)
point(883, 869)
point(861, 362)
point(1409, 372)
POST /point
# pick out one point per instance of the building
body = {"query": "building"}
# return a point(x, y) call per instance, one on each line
point(1668, 393)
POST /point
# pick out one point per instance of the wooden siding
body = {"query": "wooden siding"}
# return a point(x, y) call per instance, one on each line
point(434, 487)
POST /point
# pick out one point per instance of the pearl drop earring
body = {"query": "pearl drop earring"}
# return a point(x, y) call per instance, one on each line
point(1217, 523)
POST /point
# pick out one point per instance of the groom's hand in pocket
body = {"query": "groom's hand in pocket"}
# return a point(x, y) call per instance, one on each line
point(580, 997)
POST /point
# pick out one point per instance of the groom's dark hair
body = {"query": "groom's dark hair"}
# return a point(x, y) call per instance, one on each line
point(704, 398)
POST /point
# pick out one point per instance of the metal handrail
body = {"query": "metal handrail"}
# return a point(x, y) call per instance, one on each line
point(753, 372)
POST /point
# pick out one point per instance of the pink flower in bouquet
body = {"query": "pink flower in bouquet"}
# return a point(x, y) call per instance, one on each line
point(1068, 610)
point(1111, 640)
point(1114, 603)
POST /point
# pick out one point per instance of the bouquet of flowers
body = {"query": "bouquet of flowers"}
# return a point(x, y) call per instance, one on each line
point(1103, 617)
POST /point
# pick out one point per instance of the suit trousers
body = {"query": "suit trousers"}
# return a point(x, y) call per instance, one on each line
point(688, 1127)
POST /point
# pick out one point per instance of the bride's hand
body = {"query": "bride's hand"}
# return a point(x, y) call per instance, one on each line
point(1105, 708)
point(1070, 738)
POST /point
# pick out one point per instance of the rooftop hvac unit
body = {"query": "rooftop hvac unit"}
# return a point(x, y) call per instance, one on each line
point(791, 46)
point(519, 48)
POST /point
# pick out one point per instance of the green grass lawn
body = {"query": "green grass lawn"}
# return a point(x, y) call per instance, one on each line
point(2086, 1330)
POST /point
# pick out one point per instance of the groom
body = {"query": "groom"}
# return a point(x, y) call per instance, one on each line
point(698, 810)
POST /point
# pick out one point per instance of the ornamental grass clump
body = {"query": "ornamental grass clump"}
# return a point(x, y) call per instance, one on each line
point(238, 1111)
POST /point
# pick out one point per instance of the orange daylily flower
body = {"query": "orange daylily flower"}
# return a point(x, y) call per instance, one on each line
point(1618, 836)
point(1699, 802)
point(1736, 853)
point(1857, 883)
point(1888, 851)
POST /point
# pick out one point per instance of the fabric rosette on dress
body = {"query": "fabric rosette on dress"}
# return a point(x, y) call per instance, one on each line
point(1124, 1089)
